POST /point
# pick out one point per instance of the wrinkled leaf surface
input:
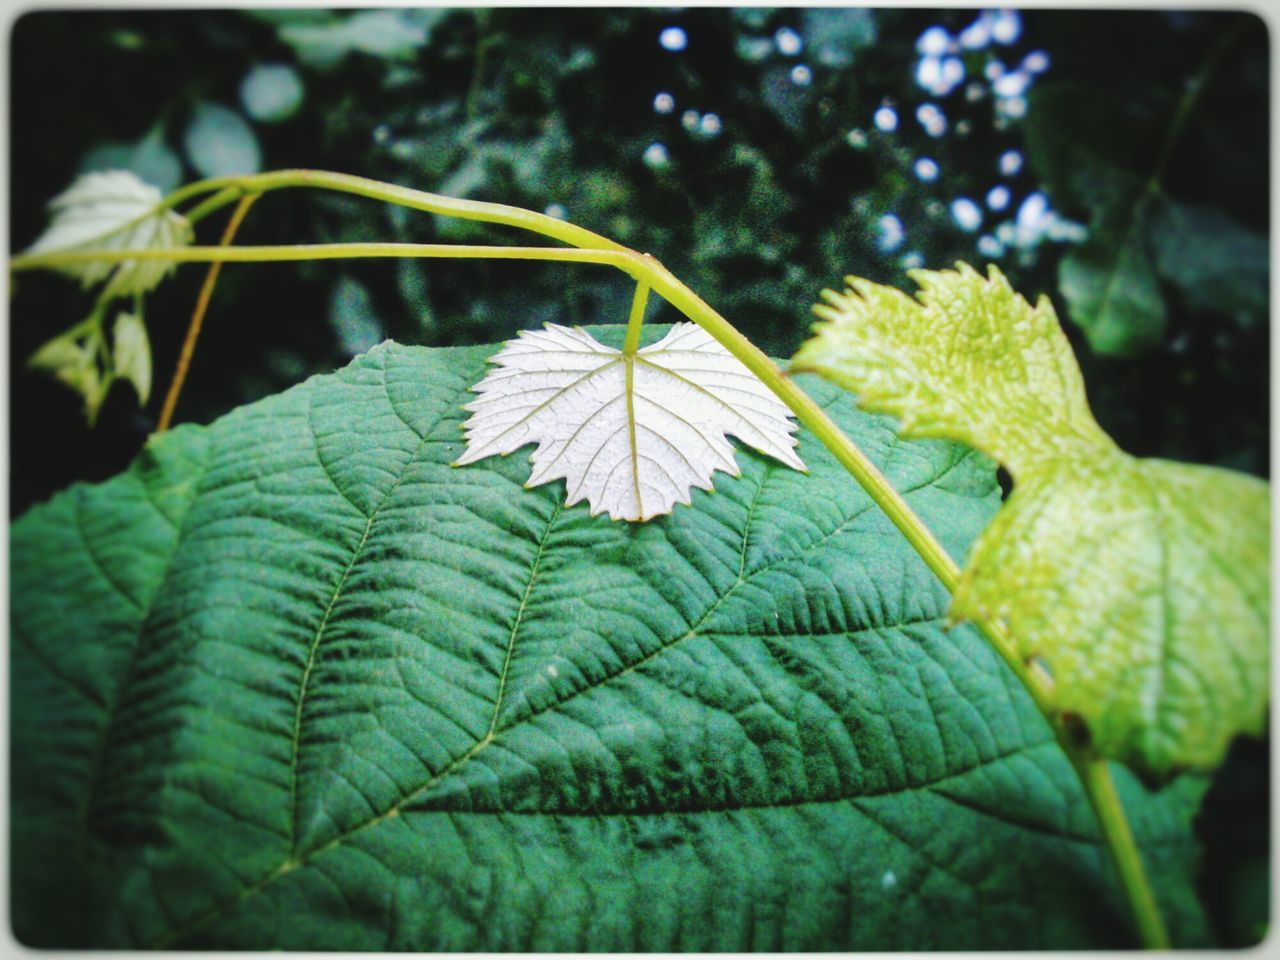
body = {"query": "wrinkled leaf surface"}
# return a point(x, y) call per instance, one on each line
point(1143, 584)
point(293, 681)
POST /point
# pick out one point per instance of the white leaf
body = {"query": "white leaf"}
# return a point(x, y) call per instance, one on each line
point(131, 356)
point(631, 435)
point(113, 210)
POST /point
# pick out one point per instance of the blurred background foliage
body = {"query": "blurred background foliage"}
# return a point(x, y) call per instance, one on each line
point(1114, 161)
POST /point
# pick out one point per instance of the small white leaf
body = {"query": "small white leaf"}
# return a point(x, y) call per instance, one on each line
point(631, 435)
point(131, 354)
point(113, 210)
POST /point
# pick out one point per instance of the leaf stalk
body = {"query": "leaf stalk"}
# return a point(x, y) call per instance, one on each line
point(197, 317)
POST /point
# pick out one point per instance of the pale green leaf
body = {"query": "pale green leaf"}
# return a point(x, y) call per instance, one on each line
point(631, 435)
point(150, 158)
point(131, 353)
point(293, 682)
point(389, 34)
point(219, 143)
point(1142, 584)
point(113, 210)
point(271, 92)
point(75, 359)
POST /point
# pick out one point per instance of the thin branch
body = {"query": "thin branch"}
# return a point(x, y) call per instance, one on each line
point(628, 261)
point(197, 316)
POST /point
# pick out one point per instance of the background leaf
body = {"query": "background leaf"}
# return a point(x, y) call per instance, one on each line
point(293, 681)
point(271, 92)
point(150, 158)
point(1111, 288)
point(219, 143)
point(1218, 264)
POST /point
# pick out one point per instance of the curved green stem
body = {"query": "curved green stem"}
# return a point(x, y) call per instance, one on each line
point(850, 457)
point(636, 320)
point(1095, 774)
point(626, 261)
point(478, 210)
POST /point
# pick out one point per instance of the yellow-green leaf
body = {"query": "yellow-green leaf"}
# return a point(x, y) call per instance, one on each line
point(72, 357)
point(1141, 584)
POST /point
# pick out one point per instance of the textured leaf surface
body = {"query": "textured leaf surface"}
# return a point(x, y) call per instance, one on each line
point(632, 436)
point(1143, 584)
point(293, 681)
point(113, 211)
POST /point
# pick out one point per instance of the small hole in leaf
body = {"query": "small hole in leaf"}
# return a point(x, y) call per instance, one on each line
point(1077, 729)
point(1005, 481)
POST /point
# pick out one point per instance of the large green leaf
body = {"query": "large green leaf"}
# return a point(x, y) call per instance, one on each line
point(1142, 584)
point(293, 681)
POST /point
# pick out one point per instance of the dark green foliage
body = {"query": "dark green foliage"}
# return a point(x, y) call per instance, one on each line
point(540, 109)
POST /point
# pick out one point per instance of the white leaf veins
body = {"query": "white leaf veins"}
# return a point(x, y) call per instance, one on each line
point(632, 435)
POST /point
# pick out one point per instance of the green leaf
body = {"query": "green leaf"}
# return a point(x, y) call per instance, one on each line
point(75, 358)
point(294, 682)
point(1142, 584)
point(150, 158)
point(388, 34)
point(1091, 153)
point(1217, 263)
point(1111, 287)
point(1097, 158)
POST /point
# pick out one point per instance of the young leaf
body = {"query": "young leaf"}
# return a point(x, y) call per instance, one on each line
point(74, 357)
point(632, 435)
point(113, 211)
point(1143, 584)
point(131, 356)
point(291, 682)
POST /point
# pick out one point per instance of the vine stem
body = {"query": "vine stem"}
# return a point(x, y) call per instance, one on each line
point(650, 275)
point(636, 320)
point(197, 316)
point(1095, 774)
point(628, 262)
